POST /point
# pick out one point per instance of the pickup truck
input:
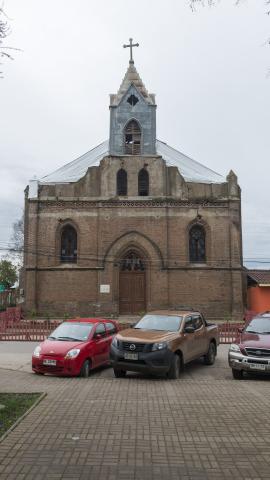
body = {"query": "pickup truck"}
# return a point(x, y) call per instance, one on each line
point(251, 351)
point(162, 342)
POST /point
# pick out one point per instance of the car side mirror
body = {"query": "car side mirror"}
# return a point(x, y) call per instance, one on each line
point(98, 336)
point(189, 330)
point(132, 325)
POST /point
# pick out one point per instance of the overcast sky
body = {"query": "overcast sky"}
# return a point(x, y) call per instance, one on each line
point(208, 70)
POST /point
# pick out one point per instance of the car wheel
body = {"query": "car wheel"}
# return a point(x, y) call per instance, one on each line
point(209, 358)
point(237, 374)
point(175, 367)
point(85, 370)
point(119, 373)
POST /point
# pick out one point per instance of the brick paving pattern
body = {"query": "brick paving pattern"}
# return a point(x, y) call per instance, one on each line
point(202, 426)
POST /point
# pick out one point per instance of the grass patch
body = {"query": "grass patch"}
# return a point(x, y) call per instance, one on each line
point(16, 404)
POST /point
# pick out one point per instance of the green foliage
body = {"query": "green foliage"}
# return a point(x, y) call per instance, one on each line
point(33, 313)
point(8, 274)
point(15, 405)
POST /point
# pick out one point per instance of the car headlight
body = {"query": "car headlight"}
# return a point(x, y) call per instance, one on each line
point(73, 353)
point(159, 346)
point(234, 347)
point(115, 342)
point(37, 351)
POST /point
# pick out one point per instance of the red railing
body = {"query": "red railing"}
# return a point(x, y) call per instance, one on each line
point(229, 332)
point(16, 329)
point(27, 330)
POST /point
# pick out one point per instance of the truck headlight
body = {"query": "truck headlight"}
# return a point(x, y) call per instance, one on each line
point(159, 346)
point(73, 353)
point(37, 351)
point(115, 342)
point(234, 347)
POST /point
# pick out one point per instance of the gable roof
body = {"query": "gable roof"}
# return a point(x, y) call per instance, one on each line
point(191, 170)
point(261, 277)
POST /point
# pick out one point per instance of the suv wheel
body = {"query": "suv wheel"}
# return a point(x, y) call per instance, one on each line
point(237, 374)
point(175, 367)
point(85, 370)
point(209, 358)
point(119, 373)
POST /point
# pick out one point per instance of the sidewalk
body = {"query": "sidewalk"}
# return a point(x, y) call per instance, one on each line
point(204, 426)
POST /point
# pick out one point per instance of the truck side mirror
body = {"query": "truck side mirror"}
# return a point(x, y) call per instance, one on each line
point(189, 329)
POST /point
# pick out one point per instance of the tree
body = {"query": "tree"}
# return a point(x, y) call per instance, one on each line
point(8, 273)
point(210, 3)
point(4, 32)
point(17, 242)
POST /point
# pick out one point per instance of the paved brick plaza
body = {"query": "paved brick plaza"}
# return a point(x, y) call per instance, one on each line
point(203, 426)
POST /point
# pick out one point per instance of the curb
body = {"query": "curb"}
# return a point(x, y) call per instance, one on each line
point(42, 396)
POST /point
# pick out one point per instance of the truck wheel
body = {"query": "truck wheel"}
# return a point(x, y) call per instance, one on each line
point(237, 374)
point(209, 358)
point(175, 368)
point(85, 370)
point(119, 373)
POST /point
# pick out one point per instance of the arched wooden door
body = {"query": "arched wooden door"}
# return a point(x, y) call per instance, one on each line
point(131, 284)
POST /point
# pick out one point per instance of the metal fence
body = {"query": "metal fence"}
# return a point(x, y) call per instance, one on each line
point(8, 297)
point(13, 328)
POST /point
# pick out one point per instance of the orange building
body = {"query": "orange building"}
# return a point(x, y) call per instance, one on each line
point(258, 290)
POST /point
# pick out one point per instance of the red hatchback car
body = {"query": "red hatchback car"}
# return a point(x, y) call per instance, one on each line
point(75, 347)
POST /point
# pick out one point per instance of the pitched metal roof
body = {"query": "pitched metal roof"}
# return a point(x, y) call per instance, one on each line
point(261, 277)
point(191, 170)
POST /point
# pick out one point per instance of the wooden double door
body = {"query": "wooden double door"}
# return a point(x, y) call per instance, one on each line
point(132, 284)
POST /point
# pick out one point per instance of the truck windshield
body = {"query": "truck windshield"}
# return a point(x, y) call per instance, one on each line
point(72, 331)
point(160, 322)
point(259, 325)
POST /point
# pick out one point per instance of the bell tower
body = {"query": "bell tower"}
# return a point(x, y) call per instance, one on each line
point(132, 115)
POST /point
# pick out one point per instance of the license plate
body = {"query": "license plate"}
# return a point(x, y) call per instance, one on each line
point(131, 356)
point(257, 366)
point(48, 361)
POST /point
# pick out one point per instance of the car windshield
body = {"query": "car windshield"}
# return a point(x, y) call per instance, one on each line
point(259, 325)
point(72, 331)
point(169, 323)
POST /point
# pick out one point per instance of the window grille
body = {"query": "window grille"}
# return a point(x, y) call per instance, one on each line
point(132, 263)
point(121, 182)
point(197, 244)
point(143, 183)
point(69, 245)
point(132, 138)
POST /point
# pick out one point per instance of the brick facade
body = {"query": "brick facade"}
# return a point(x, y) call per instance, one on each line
point(156, 226)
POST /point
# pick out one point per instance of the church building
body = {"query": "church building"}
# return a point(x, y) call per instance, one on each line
point(133, 225)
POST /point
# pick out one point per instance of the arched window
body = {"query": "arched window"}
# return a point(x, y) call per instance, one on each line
point(68, 244)
point(132, 263)
point(132, 138)
point(121, 182)
point(197, 244)
point(143, 183)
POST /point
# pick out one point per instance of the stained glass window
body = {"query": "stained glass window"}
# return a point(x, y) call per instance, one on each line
point(68, 244)
point(197, 244)
point(121, 182)
point(143, 183)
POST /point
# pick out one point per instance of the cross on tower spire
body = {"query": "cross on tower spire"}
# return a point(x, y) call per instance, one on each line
point(130, 46)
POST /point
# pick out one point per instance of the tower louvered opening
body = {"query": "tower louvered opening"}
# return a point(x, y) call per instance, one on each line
point(132, 138)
